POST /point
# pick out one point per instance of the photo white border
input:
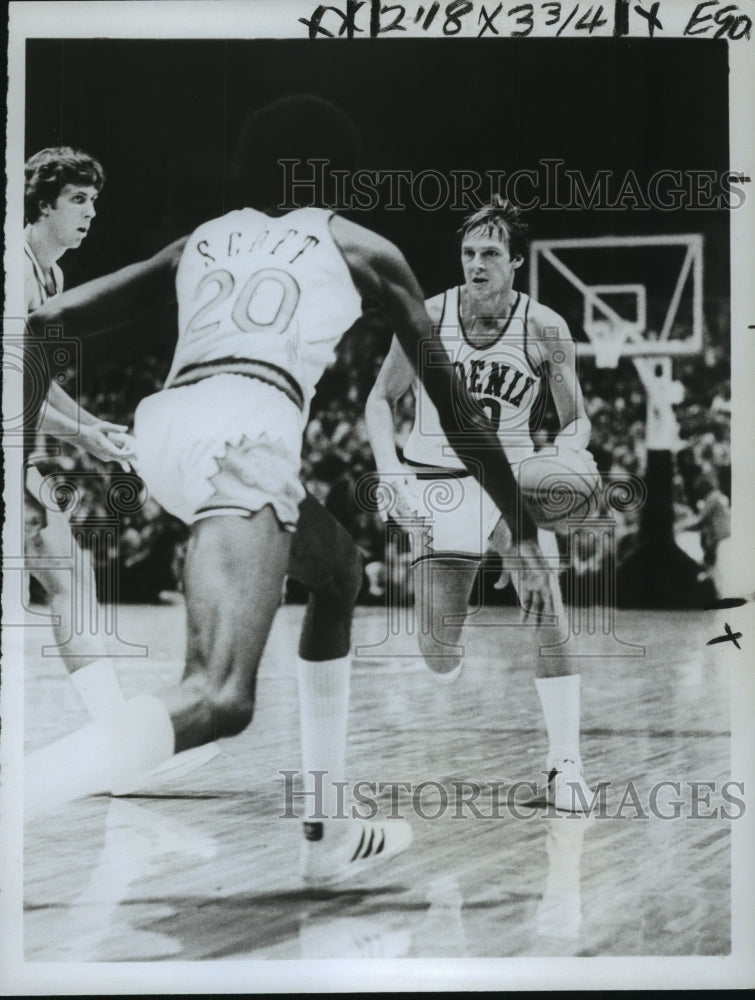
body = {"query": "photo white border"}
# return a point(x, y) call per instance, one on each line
point(280, 19)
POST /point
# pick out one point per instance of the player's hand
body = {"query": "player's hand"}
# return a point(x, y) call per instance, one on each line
point(535, 581)
point(107, 442)
point(400, 487)
point(127, 448)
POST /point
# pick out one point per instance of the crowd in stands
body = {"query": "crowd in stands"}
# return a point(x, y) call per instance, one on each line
point(147, 544)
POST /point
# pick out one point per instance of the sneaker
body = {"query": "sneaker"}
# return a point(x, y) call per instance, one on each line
point(174, 767)
point(337, 849)
point(567, 789)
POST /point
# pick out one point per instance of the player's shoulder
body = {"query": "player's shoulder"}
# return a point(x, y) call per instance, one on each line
point(541, 318)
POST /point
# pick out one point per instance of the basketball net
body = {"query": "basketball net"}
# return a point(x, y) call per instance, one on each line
point(607, 339)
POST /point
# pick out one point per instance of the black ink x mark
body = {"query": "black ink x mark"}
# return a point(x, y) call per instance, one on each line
point(729, 637)
point(650, 15)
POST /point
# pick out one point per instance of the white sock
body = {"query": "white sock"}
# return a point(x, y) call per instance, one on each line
point(98, 685)
point(137, 736)
point(559, 697)
point(323, 719)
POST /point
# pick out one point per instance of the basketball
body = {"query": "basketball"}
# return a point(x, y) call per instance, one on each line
point(560, 486)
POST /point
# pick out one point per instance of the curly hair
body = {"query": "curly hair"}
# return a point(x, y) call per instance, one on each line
point(299, 127)
point(501, 219)
point(47, 172)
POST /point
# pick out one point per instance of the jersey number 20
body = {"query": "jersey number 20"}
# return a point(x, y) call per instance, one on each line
point(264, 304)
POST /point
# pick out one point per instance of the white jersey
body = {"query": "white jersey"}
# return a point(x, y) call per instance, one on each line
point(499, 375)
point(38, 287)
point(257, 293)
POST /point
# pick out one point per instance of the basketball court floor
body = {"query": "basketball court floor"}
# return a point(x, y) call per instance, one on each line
point(205, 867)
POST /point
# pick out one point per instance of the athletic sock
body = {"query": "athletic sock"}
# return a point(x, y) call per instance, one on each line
point(137, 736)
point(99, 688)
point(323, 718)
point(559, 697)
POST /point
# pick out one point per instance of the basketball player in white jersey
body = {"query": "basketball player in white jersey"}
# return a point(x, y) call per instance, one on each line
point(506, 347)
point(60, 192)
point(263, 301)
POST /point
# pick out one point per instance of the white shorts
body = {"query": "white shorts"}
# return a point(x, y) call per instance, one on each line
point(228, 444)
point(457, 515)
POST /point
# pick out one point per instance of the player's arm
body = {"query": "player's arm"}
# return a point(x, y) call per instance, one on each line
point(94, 307)
point(108, 302)
point(63, 417)
point(558, 355)
point(107, 442)
point(59, 400)
point(393, 381)
point(381, 274)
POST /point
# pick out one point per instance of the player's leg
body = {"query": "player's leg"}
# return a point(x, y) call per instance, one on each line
point(325, 559)
point(447, 544)
point(235, 571)
point(442, 585)
point(558, 687)
point(48, 543)
point(233, 578)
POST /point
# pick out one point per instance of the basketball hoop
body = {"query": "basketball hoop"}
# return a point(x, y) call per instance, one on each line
point(626, 286)
point(607, 339)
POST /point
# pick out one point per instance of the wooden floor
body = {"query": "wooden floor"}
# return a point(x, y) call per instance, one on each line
point(203, 868)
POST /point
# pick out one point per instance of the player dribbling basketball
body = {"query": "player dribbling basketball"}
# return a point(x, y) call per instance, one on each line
point(507, 348)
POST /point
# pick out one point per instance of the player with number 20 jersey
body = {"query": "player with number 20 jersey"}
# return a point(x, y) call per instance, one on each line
point(259, 298)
